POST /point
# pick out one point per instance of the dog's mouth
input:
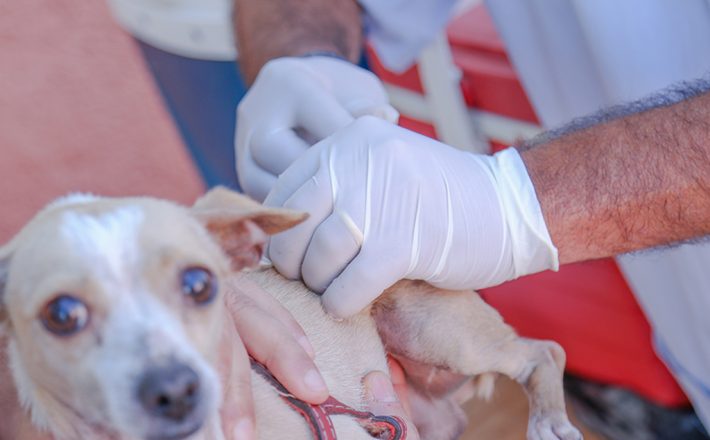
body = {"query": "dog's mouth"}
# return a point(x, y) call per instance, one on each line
point(177, 433)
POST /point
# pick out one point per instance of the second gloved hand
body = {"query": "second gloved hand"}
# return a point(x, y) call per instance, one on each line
point(386, 203)
point(293, 103)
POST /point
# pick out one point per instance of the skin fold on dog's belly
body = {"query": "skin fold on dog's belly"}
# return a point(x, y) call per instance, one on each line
point(346, 350)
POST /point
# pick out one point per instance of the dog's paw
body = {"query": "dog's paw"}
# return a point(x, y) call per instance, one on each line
point(556, 427)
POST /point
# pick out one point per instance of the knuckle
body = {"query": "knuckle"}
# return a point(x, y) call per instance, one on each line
point(284, 350)
point(240, 385)
point(259, 137)
point(285, 346)
point(332, 244)
point(238, 303)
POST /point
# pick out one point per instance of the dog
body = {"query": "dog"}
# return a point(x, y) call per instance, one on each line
point(104, 301)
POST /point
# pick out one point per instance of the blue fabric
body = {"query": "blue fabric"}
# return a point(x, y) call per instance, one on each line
point(202, 97)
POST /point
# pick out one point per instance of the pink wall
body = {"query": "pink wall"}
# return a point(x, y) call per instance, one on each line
point(78, 112)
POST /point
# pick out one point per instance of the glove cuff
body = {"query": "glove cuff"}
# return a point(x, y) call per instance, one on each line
point(324, 53)
point(532, 247)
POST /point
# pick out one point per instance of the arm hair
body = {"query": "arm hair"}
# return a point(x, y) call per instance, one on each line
point(630, 177)
point(267, 29)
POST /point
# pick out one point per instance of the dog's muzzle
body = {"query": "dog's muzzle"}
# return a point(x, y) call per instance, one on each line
point(171, 396)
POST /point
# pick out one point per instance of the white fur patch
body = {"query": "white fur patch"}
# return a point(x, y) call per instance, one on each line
point(25, 388)
point(72, 199)
point(109, 239)
point(146, 324)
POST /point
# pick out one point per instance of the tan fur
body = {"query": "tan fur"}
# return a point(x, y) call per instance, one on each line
point(73, 386)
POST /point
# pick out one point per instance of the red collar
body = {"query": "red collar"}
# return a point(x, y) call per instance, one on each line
point(318, 416)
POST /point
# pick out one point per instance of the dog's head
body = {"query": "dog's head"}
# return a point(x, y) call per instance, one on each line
point(113, 312)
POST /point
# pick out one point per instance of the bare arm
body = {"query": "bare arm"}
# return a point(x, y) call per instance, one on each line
point(267, 29)
point(634, 177)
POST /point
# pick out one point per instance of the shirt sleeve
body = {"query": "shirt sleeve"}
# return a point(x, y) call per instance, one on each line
point(400, 29)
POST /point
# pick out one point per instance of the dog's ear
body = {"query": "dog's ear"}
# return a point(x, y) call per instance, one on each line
point(241, 225)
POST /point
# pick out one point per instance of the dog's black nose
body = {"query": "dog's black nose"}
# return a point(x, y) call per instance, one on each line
point(170, 392)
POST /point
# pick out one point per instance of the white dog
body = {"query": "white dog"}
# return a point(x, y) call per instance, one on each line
point(114, 312)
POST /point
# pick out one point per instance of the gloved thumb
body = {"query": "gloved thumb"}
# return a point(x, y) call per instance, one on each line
point(360, 283)
point(365, 107)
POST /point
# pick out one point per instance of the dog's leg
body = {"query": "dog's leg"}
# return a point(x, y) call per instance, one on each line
point(457, 334)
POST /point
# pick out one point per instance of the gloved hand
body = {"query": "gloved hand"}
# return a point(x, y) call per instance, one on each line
point(386, 203)
point(293, 103)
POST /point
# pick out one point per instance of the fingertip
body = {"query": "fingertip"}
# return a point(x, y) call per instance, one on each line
point(388, 113)
point(244, 430)
point(341, 305)
point(378, 388)
point(334, 244)
point(360, 283)
point(307, 384)
point(316, 386)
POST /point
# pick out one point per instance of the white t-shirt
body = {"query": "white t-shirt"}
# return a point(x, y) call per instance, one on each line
point(200, 29)
point(400, 29)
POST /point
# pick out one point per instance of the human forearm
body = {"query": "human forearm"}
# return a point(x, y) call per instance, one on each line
point(267, 29)
point(631, 182)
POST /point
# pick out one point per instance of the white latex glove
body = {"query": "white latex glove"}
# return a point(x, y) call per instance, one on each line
point(386, 203)
point(293, 103)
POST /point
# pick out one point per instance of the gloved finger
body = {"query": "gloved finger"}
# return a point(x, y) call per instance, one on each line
point(254, 181)
point(381, 110)
point(321, 115)
point(362, 281)
point(287, 249)
point(276, 150)
point(295, 176)
point(336, 241)
point(382, 401)
point(272, 344)
point(369, 97)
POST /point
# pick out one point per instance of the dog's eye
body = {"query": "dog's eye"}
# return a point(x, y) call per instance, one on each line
point(199, 284)
point(64, 315)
